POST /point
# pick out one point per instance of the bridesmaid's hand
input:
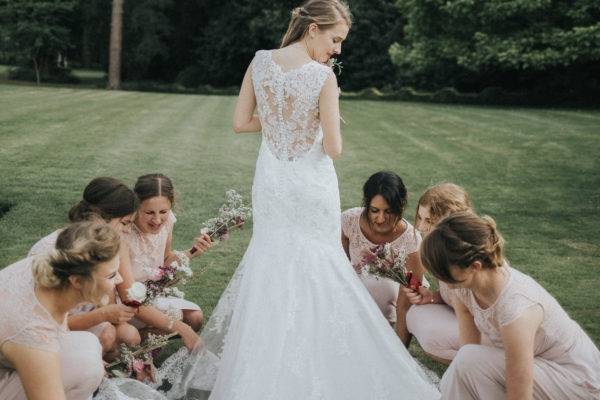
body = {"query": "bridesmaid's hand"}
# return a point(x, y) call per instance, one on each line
point(201, 244)
point(188, 336)
point(117, 313)
point(420, 297)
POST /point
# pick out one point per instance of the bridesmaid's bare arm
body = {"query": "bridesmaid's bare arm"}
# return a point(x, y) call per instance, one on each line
point(244, 119)
point(518, 339)
point(38, 370)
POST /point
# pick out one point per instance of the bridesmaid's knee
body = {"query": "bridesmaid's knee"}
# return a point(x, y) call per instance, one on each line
point(82, 362)
point(108, 337)
point(468, 360)
point(128, 334)
point(194, 318)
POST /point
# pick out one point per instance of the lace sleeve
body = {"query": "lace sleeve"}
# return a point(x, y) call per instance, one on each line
point(24, 321)
point(39, 335)
point(346, 223)
point(414, 240)
point(461, 296)
point(512, 308)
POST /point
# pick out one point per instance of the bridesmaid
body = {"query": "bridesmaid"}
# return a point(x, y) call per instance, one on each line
point(39, 357)
point(150, 246)
point(432, 321)
point(537, 352)
point(110, 200)
point(380, 221)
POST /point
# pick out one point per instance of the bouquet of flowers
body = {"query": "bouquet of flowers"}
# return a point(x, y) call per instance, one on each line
point(232, 214)
point(335, 65)
point(138, 361)
point(386, 262)
point(162, 284)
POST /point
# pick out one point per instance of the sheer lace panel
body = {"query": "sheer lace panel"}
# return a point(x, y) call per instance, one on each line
point(24, 320)
point(288, 104)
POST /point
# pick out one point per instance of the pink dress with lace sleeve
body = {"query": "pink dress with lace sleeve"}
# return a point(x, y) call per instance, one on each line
point(559, 341)
point(384, 291)
point(409, 240)
point(147, 252)
point(24, 321)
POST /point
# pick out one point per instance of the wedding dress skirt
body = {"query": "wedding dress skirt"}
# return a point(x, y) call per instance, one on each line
point(295, 322)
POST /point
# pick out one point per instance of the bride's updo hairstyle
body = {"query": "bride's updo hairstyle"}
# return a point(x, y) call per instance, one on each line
point(105, 198)
point(459, 240)
point(324, 13)
point(80, 247)
point(153, 185)
point(388, 185)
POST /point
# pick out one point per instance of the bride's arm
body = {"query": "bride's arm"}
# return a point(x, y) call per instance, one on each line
point(329, 112)
point(244, 119)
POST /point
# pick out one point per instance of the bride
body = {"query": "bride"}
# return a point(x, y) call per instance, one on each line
point(295, 322)
point(302, 326)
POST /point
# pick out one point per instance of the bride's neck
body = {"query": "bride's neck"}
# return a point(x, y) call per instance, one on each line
point(300, 49)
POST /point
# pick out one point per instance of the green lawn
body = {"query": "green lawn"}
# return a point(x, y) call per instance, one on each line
point(537, 171)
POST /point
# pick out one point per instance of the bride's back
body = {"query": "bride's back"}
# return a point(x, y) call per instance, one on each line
point(288, 103)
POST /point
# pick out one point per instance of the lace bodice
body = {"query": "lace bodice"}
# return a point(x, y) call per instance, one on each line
point(147, 251)
point(288, 104)
point(409, 240)
point(558, 338)
point(24, 320)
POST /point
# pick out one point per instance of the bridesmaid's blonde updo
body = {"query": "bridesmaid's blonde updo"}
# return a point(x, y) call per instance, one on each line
point(79, 249)
point(324, 13)
point(459, 240)
point(444, 199)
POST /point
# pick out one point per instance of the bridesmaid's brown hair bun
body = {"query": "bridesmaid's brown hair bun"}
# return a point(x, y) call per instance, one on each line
point(459, 240)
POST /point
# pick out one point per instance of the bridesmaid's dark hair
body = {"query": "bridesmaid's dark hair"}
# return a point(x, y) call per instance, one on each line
point(389, 186)
point(153, 185)
point(106, 198)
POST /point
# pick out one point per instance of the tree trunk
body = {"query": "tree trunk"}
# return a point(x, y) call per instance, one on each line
point(36, 68)
point(116, 39)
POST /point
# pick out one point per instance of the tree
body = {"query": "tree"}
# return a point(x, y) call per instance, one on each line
point(377, 25)
point(515, 44)
point(147, 34)
point(116, 40)
point(35, 33)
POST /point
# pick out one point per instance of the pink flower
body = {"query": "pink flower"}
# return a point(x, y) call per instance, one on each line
point(158, 275)
point(138, 365)
point(224, 236)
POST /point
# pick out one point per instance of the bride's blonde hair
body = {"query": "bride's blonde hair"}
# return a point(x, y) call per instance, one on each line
point(324, 13)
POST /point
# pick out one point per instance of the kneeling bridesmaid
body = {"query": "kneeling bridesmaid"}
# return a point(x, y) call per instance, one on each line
point(39, 357)
point(537, 351)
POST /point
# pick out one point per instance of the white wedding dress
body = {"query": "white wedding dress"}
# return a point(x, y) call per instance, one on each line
point(295, 321)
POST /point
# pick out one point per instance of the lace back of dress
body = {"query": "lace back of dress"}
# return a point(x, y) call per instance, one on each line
point(288, 105)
